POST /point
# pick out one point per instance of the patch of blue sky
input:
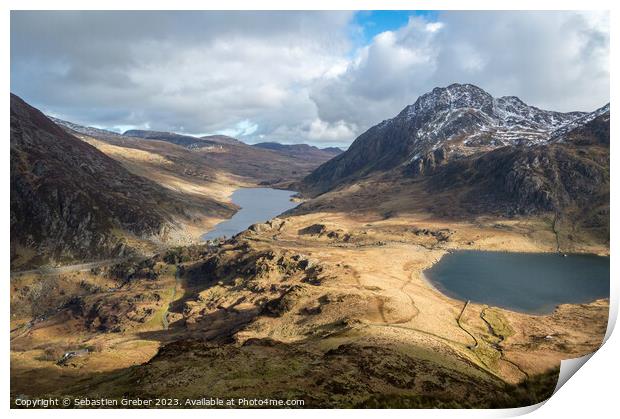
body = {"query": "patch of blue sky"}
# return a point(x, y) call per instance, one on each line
point(369, 23)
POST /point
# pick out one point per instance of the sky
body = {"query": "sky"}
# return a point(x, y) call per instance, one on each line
point(314, 77)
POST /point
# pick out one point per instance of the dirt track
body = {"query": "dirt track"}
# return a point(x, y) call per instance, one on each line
point(80, 267)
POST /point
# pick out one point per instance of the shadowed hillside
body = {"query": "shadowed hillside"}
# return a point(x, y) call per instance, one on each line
point(69, 201)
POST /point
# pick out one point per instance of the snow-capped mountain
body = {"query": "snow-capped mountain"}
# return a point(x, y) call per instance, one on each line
point(450, 122)
point(467, 114)
point(581, 121)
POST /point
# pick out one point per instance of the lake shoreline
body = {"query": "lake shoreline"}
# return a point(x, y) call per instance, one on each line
point(256, 204)
point(494, 278)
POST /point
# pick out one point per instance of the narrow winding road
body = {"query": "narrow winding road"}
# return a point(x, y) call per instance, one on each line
point(80, 267)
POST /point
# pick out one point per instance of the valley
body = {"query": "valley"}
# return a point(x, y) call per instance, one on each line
point(163, 193)
point(328, 301)
point(327, 308)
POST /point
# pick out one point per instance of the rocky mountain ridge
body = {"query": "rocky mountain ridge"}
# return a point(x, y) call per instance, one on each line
point(223, 139)
point(300, 151)
point(456, 121)
point(171, 137)
point(82, 129)
point(461, 153)
point(209, 154)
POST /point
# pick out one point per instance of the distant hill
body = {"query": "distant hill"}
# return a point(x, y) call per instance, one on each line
point(301, 151)
point(222, 139)
point(334, 150)
point(171, 137)
point(206, 158)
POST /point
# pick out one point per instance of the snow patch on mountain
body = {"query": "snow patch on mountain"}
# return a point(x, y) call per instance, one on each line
point(90, 131)
point(466, 114)
point(584, 119)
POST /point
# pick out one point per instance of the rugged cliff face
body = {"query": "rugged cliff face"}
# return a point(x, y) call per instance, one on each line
point(568, 177)
point(548, 178)
point(71, 202)
point(446, 123)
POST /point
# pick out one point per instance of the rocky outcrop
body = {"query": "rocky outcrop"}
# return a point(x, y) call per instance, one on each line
point(428, 162)
point(313, 230)
point(114, 313)
point(320, 230)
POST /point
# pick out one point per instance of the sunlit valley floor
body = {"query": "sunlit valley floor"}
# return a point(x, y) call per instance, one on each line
point(328, 302)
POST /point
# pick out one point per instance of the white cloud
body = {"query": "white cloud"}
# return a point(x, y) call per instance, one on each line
point(238, 73)
point(554, 60)
point(434, 26)
point(241, 129)
point(293, 76)
point(339, 131)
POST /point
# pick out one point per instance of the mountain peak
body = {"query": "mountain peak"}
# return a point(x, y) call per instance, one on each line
point(442, 99)
point(463, 89)
point(458, 109)
point(457, 120)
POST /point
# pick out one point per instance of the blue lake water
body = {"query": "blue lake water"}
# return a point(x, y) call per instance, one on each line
point(257, 205)
point(533, 283)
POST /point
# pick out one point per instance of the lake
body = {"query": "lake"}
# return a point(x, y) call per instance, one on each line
point(257, 206)
point(533, 283)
